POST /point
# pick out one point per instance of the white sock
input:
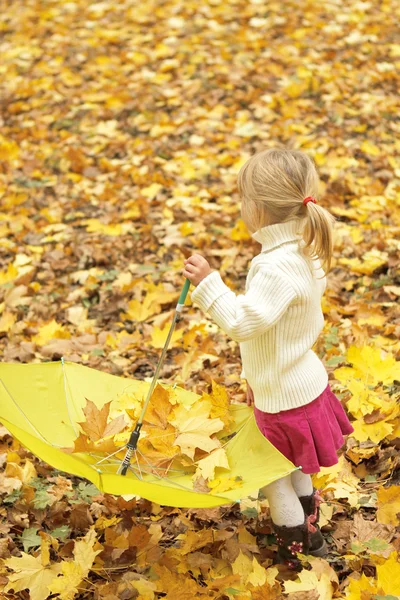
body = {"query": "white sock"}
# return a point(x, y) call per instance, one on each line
point(302, 483)
point(284, 505)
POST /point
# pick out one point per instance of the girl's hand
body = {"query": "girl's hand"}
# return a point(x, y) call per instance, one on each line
point(196, 268)
point(249, 396)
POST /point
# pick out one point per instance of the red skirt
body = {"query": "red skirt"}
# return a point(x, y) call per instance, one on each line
point(309, 436)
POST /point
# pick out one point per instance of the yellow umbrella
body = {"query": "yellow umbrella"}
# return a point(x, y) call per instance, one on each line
point(42, 404)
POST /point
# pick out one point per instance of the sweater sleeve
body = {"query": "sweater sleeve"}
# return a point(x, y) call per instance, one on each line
point(248, 315)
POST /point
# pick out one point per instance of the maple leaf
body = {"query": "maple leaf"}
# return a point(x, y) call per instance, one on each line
point(220, 402)
point(159, 407)
point(309, 581)
point(176, 585)
point(376, 432)
point(388, 505)
point(9, 274)
point(358, 586)
point(24, 474)
point(159, 336)
point(50, 331)
point(160, 439)
point(250, 571)
point(66, 586)
point(96, 426)
point(84, 444)
point(206, 466)
point(193, 540)
point(7, 320)
point(388, 575)
point(369, 366)
point(220, 485)
point(32, 574)
point(266, 592)
point(196, 432)
point(72, 573)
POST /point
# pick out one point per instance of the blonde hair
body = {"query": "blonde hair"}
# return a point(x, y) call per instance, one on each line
point(273, 184)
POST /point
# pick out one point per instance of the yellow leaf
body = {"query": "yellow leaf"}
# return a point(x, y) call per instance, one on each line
point(341, 479)
point(72, 572)
point(296, 89)
point(95, 226)
point(50, 331)
point(307, 581)
point(145, 588)
point(29, 573)
point(9, 150)
point(363, 401)
point(151, 191)
point(370, 148)
point(369, 366)
point(388, 501)
point(371, 261)
point(186, 228)
point(141, 310)
point(221, 485)
point(84, 553)
point(240, 232)
point(67, 584)
point(242, 566)
point(258, 575)
point(159, 336)
point(195, 431)
point(249, 129)
point(9, 274)
point(376, 432)
point(45, 549)
point(206, 466)
point(103, 522)
point(220, 402)
point(194, 540)
point(357, 586)
point(388, 575)
point(24, 474)
point(7, 320)
point(188, 442)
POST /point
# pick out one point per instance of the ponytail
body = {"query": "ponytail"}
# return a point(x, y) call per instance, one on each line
point(318, 234)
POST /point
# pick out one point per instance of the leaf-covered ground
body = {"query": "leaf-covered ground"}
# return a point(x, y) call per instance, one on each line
point(123, 126)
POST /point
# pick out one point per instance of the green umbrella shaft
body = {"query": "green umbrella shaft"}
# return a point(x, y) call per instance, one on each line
point(134, 438)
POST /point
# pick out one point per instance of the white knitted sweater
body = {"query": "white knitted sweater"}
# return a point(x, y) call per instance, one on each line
point(276, 321)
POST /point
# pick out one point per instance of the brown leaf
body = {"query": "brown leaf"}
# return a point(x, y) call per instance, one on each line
point(159, 407)
point(96, 426)
point(96, 420)
point(267, 592)
point(363, 530)
point(80, 517)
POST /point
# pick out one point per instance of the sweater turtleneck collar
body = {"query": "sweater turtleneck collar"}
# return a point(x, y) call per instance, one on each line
point(274, 235)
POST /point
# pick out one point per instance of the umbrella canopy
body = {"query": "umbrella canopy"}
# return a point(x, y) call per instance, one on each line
point(42, 404)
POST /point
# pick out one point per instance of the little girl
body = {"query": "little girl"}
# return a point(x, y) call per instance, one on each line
point(276, 323)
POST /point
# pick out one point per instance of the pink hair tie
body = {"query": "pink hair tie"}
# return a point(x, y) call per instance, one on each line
point(309, 199)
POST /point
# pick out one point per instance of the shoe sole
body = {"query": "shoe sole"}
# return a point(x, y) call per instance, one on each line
point(322, 551)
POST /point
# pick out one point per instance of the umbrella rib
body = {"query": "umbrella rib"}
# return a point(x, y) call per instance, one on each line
point(156, 476)
point(137, 462)
point(108, 456)
point(28, 420)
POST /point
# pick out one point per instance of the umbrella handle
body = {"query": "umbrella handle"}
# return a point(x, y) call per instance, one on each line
point(183, 295)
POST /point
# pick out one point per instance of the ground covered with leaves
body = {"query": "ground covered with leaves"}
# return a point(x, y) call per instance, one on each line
point(123, 126)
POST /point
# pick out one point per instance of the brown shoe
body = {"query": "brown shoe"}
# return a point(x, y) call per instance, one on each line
point(291, 540)
point(310, 504)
